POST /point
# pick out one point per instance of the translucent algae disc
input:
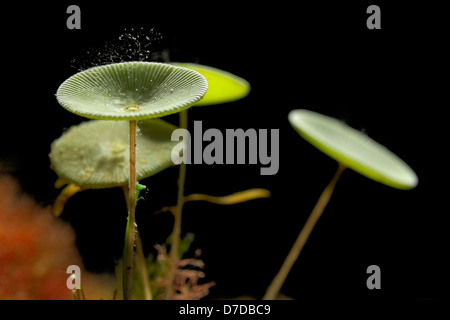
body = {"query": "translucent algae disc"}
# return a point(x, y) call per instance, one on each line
point(353, 148)
point(95, 153)
point(223, 86)
point(131, 91)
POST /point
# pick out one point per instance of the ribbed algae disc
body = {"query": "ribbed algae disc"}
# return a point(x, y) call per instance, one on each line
point(353, 148)
point(95, 153)
point(131, 91)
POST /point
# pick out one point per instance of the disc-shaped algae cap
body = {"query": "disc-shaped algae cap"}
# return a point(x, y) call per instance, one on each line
point(353, 148)
point(223, 86)
point(95, 154)
point(131, 91)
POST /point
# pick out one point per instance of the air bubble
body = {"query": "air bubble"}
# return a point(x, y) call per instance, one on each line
point(138, 131)
point(132, 45)
point(132, 108)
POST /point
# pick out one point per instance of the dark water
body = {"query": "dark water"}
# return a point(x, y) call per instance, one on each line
point(313, 57)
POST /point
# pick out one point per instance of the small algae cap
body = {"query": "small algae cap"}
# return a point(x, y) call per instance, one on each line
point(223, 86)
point(95, 154)
point(131, 91)
point(353, 148)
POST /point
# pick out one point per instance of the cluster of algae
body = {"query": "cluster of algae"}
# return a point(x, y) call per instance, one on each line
point(126, 97)
point(125, 143)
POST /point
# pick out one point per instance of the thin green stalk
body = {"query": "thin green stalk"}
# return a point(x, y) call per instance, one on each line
point(82, 292)
point(141, 262)
point(278, 281)
point(125, 255)
point(130, 238)
point(141, 266)
point(176, 234)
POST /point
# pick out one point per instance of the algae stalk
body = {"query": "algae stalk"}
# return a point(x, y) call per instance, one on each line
point(176, 234)
point(131, 224)
point(278, 281)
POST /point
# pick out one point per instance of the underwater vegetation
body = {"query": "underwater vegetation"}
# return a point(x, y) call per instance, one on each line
point(124, 141)
point(351, 149)
point(36, 249)
point(105, 154)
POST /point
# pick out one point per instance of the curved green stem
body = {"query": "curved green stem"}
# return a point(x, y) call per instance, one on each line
point(278, 281)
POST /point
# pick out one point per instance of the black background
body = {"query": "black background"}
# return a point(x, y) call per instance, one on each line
point(389, 83)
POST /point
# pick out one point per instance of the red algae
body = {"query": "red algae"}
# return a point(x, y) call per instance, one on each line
point(35, 248)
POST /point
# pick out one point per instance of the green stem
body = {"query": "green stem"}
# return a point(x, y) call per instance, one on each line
point(130, 237)
point(82, 292)
point(176, 233)
point(141, 266)
point(278, 281)
point(141, 263)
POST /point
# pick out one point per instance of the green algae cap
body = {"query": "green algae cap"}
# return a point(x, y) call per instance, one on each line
point(95, 153)
point(223, 86)
point(353, 148)
point(131, 91)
